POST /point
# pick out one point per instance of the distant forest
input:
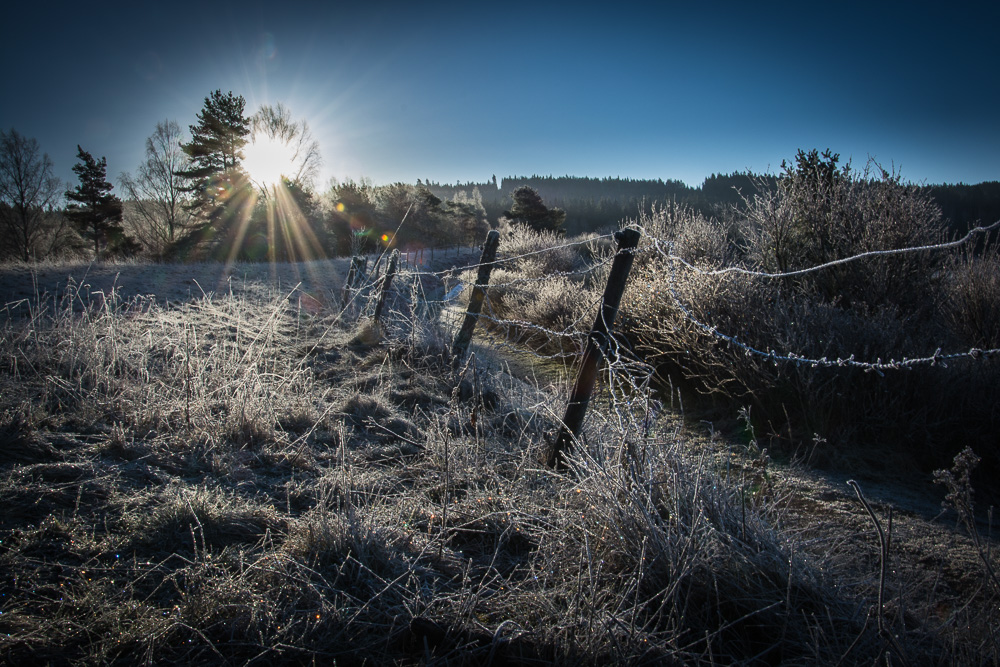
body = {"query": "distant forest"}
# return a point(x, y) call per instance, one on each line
point(200, 199)
point(597, 203)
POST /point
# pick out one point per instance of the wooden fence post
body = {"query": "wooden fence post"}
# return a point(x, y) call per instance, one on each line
point(352, 274)
point(464, 336)
point(390, 271)
point(597, 346)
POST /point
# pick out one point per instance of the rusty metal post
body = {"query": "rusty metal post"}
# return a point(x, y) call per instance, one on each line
point(464, 336)
point(597, 344)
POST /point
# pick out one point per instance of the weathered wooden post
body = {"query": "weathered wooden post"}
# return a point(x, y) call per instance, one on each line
point(597, 346)
point(362, 269)
point(464, 336)
point(390, 271)
point(352, 276)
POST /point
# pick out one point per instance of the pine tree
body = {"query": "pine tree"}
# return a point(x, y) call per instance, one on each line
point(529, 209)
point(215, 151)
point(96, 212)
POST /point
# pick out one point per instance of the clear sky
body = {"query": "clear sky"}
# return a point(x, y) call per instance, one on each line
point(465, 90)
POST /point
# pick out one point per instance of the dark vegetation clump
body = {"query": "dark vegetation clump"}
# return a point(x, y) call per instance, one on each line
point(881, 308)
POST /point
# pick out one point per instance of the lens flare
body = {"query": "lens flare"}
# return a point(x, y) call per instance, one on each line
point(268, 160)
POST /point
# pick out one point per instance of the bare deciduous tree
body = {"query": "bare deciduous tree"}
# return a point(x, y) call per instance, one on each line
point(275, 123)
point(155, 212)
point(28, 192)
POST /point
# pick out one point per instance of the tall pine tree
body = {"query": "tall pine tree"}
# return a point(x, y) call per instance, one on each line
point(215, 152)
point(96, 212)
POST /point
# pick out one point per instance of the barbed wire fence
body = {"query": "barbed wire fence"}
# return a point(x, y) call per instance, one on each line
point(665, 251)
point(626, 379)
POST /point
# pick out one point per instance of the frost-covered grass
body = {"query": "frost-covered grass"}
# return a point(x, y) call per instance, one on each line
point(237, 478)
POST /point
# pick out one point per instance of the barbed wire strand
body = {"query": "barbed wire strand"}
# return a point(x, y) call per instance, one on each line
point(665, 250)
point(657, 243)
point(877, 366)
point(500, 260)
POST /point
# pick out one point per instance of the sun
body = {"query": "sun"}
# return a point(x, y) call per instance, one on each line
point(268, 159)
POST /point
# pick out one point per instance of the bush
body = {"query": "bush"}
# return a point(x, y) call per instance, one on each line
point(532, 287)
point(821, 213)
point(536, 253)
point(973, 298)
point(879, 308)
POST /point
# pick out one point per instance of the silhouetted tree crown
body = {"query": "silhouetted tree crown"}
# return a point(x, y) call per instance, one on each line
point(529, 209)
point(28, 191)
point(215, 151)
point(96, 212)
point(217, 140)
point(275, 124)
point(157, 212)
point(819, 170)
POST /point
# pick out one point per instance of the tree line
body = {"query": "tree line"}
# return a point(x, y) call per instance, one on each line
point(194, 198)
point(596, 203)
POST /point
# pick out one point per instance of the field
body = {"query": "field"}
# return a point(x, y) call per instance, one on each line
point(212, 465)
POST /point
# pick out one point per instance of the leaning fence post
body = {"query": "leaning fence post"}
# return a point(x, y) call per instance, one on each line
point(464, 336)
point(349, 283)
point(390, 271)
point(597, 346)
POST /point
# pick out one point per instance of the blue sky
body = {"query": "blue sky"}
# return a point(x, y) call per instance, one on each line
point(462, 91)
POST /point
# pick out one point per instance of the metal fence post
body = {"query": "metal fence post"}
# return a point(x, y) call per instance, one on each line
point(597, 344)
